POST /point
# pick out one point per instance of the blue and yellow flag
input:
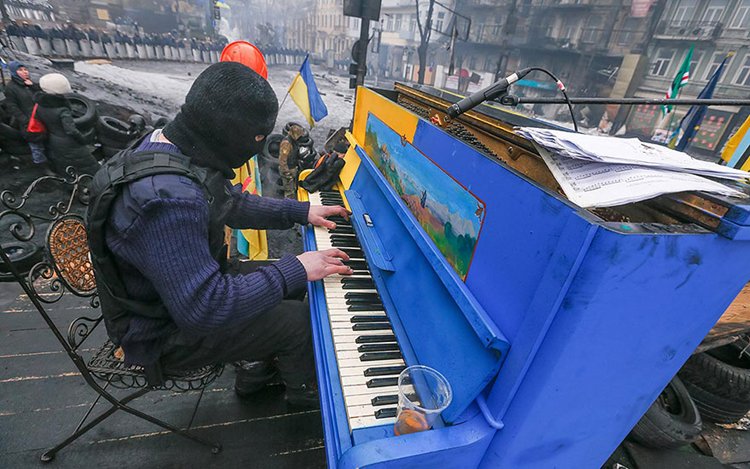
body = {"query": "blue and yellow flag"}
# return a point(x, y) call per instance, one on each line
point(306, 96)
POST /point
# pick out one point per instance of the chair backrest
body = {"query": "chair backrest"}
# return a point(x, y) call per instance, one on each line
point(66, 265)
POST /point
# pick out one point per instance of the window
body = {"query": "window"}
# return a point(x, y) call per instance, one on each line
point(412, 23)
point(479, 31)
point(663, 60)
point(627, 34)
point(714, 11)
point(439, 21)
point(495, 30)
point(741, 18)
point(743, 75)
point(694, 62)
point(397, 22)
point(389, 23)
point(715, 62)
point(685, 12)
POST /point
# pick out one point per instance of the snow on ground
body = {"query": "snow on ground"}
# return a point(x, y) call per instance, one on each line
point(167, 83)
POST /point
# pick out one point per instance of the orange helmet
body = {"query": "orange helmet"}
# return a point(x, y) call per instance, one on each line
point(246, 54)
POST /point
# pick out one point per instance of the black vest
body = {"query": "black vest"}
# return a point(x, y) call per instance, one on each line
point(122, 169)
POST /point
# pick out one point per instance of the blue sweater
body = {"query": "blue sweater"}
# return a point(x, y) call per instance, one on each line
point(158, 233)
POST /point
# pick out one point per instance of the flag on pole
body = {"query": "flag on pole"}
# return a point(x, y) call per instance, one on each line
point(690, 124)
point(680, 80)
point(306, 96)
point(737, 149)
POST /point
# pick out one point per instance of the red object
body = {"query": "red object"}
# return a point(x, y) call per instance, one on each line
point(247, 54)
point(35, 126)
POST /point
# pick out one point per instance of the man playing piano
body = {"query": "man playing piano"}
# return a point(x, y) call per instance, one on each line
point(156, 225)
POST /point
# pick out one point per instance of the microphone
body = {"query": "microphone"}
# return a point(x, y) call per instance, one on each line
point(486, 94)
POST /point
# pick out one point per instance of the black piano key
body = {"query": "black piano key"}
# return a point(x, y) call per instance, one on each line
point(372, 326)
point(385, 413)
point(372, 339)
point(384, 400)
point(358, 281)
point(345, 237)
point(377, 348)
point(361, 273)
point(356, 265)
point(357, 286)
point(344, 230)
point(361, 308)
point(357, 319)
point(371, 300)
point(354, 252)
point(340, 243)
point(384, 370)
point(382, 382)
point(356, 294)
point(376, 356)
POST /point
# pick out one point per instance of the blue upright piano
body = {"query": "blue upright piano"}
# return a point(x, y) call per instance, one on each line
point(556, 326)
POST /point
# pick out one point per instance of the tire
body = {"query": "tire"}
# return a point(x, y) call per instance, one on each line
point(90, 136)
point(289, 124)
point(270, 154)
point(719, 383)
point(672, 420)
point(114, 132)
point(109, 152)
point(84, 111)
point(23, 255)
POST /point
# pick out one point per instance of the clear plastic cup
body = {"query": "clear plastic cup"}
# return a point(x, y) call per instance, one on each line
point(423, 393)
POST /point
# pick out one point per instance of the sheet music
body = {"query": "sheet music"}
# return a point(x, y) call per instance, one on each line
point(625, 151)
point(593, 184)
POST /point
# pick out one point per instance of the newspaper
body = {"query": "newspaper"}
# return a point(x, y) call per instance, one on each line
point(629, 151)
point(594, 184)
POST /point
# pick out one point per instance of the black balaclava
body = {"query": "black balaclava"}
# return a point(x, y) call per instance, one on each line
point(227, 106)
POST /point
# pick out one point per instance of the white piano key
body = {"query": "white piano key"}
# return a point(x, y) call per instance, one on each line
point(364, 422)
point(358, 363)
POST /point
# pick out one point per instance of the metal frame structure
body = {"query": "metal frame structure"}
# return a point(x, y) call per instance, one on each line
point(67, 267)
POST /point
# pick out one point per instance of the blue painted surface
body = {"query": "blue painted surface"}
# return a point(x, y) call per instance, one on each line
point(599, 319)
point(438, 317)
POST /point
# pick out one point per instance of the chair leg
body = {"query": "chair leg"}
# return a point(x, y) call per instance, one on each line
point(195, 409)
point(215, 447)
point(88, 412)
point(49, 455)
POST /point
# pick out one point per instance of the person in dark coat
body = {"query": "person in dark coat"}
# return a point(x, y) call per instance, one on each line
point(66, 145)
point(161, 229)
point(19, 100)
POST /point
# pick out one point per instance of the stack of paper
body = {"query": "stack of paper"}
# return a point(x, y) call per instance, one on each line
point(596, 171)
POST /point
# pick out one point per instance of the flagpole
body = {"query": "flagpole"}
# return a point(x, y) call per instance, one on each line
point(287, 90)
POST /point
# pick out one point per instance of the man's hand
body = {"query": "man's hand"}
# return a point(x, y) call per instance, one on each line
point(321, 264)
point(318, 215)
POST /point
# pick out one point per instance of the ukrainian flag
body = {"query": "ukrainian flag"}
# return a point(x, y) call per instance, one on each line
point(306, 95)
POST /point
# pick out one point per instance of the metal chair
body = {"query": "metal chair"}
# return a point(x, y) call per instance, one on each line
point(67, 267)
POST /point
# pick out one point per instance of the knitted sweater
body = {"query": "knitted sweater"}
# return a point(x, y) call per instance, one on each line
point(158, 233)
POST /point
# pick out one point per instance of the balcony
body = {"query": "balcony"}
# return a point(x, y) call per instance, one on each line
point(688, 30)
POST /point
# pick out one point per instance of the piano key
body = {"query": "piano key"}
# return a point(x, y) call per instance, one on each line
point(372, 300)
point(349, 295)
point(384, 370)
point(378, 348)
point(374, 318)
point(379, 356)
point(385, 413)
point(365, 422)
point(373, 337)
point(372, 326)
point(363, 390)
point(387, 334)
point(382, 382)
point(357, 363)
point(384, 400)
point(357, 286)
point(338, 243)
point(364, 307)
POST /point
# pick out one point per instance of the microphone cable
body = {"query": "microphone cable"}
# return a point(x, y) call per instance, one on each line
point(561, 87)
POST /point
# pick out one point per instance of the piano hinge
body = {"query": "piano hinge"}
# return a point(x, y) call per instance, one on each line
point(496, 424)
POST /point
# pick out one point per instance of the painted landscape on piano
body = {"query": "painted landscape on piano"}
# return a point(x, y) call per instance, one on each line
point(450, 214)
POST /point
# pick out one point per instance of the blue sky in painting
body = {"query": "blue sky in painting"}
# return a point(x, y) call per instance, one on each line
point(443, 192)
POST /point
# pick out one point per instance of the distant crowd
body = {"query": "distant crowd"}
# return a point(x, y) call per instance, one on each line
point(71, 41)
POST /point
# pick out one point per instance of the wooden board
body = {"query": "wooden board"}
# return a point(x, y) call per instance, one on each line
point(734, 321)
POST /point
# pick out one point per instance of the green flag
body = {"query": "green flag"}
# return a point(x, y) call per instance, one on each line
point(680, 80)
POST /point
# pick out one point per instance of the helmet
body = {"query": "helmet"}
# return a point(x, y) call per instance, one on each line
point(246, 54)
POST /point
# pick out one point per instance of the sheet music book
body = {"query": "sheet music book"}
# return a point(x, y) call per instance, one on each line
point(595, 184)
point(629, 151)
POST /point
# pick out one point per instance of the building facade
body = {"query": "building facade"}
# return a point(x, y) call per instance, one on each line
point(716, 29)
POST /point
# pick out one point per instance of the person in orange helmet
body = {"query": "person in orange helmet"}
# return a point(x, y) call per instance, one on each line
point(247, 54)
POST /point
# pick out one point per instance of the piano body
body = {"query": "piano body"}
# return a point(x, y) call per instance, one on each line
point(556, 326)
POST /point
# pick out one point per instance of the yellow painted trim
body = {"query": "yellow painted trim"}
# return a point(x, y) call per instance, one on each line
point(394, 116)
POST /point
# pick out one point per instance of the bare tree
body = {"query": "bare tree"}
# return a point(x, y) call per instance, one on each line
point(425, 31)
